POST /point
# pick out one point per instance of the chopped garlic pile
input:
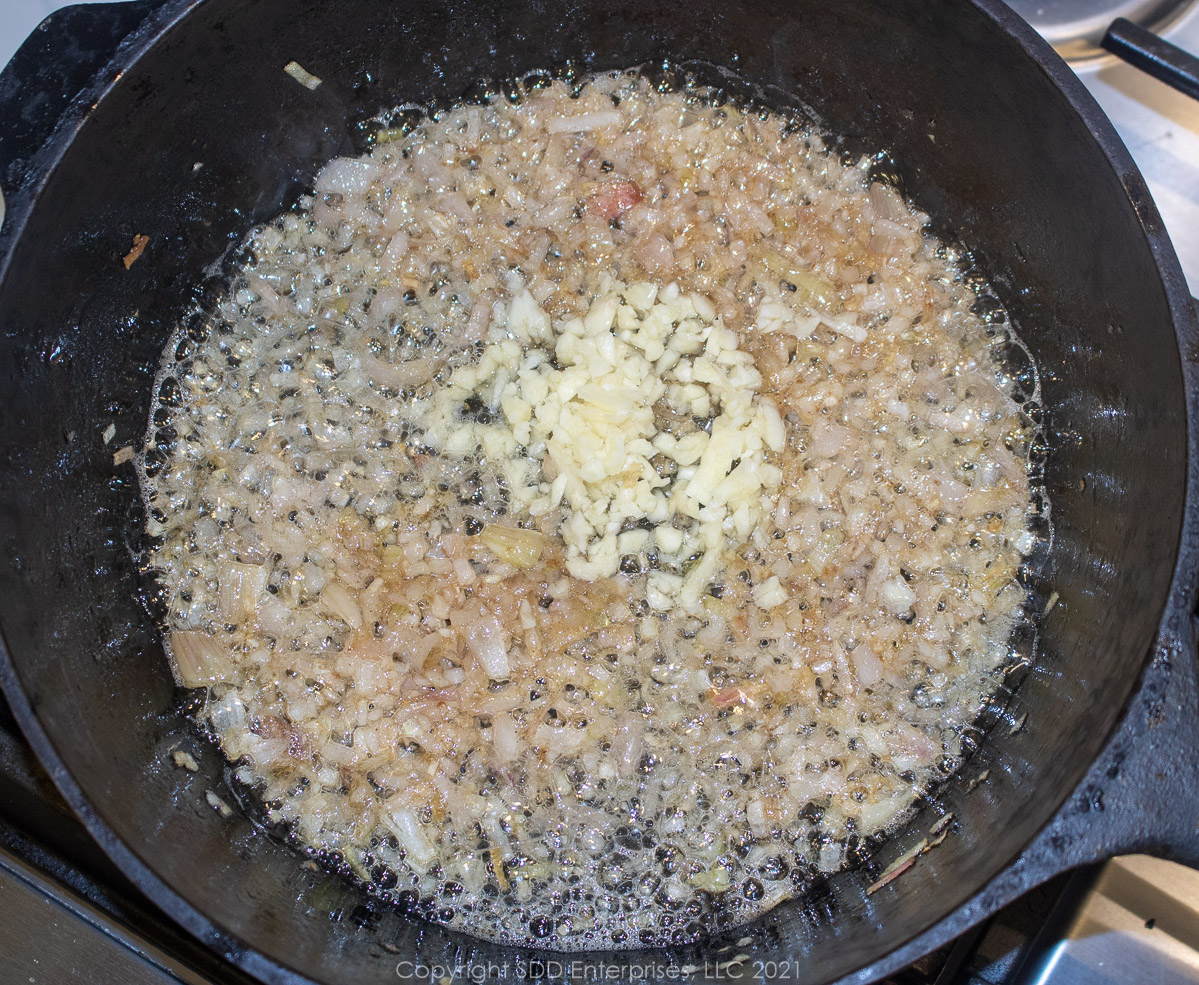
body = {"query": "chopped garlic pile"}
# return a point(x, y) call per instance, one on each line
point(644, 422)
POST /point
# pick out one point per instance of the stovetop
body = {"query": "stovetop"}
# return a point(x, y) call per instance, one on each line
point(68, 915)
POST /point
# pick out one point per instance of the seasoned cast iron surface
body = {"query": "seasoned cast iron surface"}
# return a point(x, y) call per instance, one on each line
point(204, 135)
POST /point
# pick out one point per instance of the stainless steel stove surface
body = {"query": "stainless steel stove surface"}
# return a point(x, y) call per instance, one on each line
point(67, 915)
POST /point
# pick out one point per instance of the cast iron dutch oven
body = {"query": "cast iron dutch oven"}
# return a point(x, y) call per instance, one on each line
point(186, 130)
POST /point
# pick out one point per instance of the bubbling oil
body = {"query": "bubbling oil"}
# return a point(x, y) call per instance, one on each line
point(629, 776)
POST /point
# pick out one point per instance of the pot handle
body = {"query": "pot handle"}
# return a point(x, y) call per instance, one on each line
point(1142, 793)
point(63, 56)
point(1164, 61)
point(1140, 796)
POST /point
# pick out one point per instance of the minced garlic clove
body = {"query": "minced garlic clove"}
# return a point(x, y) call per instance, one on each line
point(588, 418)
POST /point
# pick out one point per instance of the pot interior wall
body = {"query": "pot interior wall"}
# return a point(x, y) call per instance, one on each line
point(206, 135)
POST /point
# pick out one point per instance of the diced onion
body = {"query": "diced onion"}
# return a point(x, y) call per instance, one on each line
point(410, 833)
point(403, 375)
point(583, 121)
point(339, 602)
point(199, 659)
point(241, 586)
point(495, 557)
point(488, 642)
point(519, 547)
point(503, 735)
point(346, 176)
point(867, 667)
point(301, 75)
